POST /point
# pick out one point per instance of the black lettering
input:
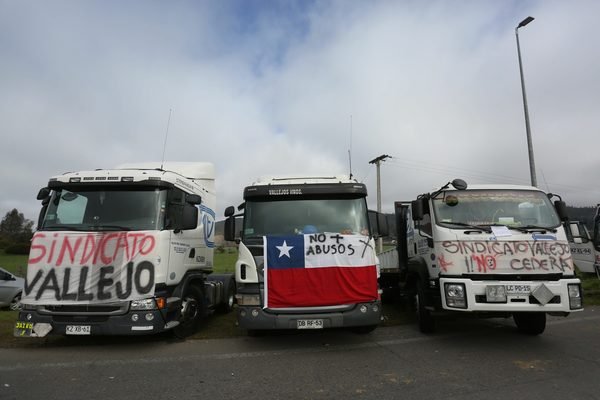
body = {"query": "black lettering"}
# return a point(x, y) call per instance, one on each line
point(321, 237)
point(125, 294)
point(326, 249)
point(312, 238)
point(105, 282)
point(350, 250)
point(28, 286)
point(66, 282)
point(516, 264)
point(50, 283)
point(337, 238)
point(310, 251)
point(81, 294)
point(144, 265)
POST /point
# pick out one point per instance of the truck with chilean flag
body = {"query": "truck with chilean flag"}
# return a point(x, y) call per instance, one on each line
point(306, 255)
point(124, 251)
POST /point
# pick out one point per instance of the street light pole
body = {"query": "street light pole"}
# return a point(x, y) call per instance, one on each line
point(528, 129)
point(377, 161)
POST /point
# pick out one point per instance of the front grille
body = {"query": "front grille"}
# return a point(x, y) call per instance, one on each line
point(85, 309)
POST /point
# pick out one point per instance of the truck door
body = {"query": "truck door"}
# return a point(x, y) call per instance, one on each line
point(582, 248)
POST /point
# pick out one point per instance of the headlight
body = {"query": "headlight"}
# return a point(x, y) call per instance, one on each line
point(575, 300)
point(248, 299)
point(144, 304)
point(455, 295)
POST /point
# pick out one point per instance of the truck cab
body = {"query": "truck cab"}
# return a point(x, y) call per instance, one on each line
point(489, 249)
point(123, 251)
point(307, 208)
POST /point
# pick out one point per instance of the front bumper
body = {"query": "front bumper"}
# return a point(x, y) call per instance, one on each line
point(476, 296)
point(34, 324)
point(255, 317)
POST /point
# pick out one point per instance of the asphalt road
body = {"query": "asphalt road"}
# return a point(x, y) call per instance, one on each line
point(465, 359)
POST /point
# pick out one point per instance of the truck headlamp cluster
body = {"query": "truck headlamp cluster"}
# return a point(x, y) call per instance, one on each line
point(575, 300)
point(455, 295)
point(248, 299)
point(144, 304)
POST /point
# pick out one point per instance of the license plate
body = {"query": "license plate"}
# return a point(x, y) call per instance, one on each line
point(78, 330)
point(310, 324)
point(23, 328)
point(518, 289)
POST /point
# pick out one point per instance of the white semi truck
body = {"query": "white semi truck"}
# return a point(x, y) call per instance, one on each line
point(306, 255)
point(124, 251)
point(495, 250)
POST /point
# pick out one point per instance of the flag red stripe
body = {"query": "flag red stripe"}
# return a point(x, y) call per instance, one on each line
point(313, 287)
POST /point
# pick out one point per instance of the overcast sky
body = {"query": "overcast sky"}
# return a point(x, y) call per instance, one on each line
point(283, 87)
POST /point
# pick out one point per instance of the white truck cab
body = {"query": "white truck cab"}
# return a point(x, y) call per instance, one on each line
point(322, 216)
point(489, 249)
point(124, 251)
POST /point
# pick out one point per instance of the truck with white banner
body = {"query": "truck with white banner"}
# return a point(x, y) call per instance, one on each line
point(491, 250)
point(124, 251)
point(306, 255)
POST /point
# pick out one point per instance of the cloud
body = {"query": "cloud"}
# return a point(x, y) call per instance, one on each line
point(263, 90)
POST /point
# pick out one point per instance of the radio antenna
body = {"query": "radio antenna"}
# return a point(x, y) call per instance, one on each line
point(350, 149)
point(166, 136)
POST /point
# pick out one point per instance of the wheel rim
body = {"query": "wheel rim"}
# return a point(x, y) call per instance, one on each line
point(15, 305)
point(189, 310)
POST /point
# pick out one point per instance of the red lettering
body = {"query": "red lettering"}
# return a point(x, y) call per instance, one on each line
point(37, 247)
point(150, 247)
point(89, 249)
point(66, 246)
point(106, 260)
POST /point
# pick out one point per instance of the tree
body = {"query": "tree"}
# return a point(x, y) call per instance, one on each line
point(15, 227)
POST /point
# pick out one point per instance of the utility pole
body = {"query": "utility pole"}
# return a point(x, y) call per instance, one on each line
point(527, 128)
point(377, 161)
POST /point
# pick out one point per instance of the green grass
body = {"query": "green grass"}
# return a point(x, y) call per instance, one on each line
point(16, 264)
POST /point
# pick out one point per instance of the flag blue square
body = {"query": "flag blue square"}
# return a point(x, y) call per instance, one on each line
point(285, 251)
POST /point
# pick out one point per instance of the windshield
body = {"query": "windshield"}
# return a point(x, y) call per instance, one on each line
point(513, 208)
point(106, 209)
point(346, 216)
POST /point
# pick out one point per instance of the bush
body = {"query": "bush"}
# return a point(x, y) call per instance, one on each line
point(18, 248)
point(5, 242)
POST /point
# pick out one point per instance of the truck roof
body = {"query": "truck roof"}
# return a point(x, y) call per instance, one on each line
point(172, 172)
point(495, 187)
point(301, 180)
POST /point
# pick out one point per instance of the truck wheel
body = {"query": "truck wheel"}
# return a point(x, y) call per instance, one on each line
point(424, 318)
point(192, 312)
point(227, 305)
point(15, 304)
point(533, 323)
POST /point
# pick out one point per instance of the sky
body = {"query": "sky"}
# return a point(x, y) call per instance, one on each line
point(281, 88)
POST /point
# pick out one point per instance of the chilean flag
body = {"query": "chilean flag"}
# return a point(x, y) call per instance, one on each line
point(319, 270)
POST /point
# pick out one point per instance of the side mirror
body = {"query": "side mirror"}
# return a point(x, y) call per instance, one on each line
point(229, 211)
point(193, 199)
point(229, 228)
point(43, 194)
point(459, 184)
point(383, 227)
point(417, 209)
point(561, 209)
point(190, 218)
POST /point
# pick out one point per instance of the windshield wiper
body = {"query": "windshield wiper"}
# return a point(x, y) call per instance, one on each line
point(526, 228)
point(111, 228)
point(61, 227)
point(484, 228)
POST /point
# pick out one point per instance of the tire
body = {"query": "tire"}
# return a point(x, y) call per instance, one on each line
point(192, 312)
point(227, 306)
point(363, 330)
point(533, 323)
point(425, 320)
point(15, 304)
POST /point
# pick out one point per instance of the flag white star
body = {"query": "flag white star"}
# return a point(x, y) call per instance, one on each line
point(284, 250)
